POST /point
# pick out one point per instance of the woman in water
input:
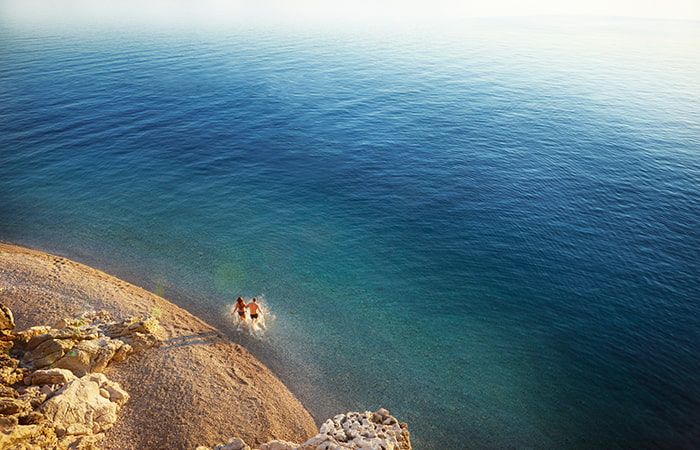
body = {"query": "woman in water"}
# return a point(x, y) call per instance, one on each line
point(240, 309)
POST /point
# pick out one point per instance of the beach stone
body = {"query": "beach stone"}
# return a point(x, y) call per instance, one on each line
point(279, 445)
point(233, 444)
point(7, 320)
point(50, 376)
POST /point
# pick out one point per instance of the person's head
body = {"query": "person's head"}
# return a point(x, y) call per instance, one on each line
point(240, 300)
point(255, 300)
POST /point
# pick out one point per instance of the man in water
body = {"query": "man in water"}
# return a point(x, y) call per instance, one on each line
point(254, 309)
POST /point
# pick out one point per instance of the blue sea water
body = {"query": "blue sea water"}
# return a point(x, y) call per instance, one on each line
point(490, 228)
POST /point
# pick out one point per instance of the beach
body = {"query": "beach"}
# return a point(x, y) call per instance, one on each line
point(197, 388)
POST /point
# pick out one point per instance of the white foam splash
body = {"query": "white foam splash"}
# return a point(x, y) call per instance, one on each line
point(256, 328)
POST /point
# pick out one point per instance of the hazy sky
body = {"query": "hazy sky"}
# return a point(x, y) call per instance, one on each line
point(394, 10)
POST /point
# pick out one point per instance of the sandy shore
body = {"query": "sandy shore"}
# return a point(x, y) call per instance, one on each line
point(199, 388)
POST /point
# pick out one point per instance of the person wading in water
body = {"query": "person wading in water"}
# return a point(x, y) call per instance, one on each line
point(240, 309)
point(254, 309)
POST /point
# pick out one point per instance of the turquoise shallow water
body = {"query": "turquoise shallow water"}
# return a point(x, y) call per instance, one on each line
point(490, 229)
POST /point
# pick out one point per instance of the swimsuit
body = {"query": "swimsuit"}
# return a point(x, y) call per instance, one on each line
point(253, 316)
point(241, 313)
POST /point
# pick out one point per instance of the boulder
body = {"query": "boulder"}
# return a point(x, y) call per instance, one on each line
point(52, 408)
point(81, 407)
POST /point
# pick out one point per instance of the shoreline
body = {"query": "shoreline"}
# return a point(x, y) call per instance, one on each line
point(180, 392)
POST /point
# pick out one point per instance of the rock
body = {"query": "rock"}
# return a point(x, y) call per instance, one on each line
point(9, 373)
point(6, 342)
point(7, 422)
point(89, 356)
point(29, 437)
point(23, 338)
point(359, 431)
point(366, 431)
point(116, 394)
point(50, 334)
point(139, 333)
point(79, 409)
point(7, 391)
point(50, 376)
point(33, 396)
point(33, 418)
point(233, 444)
point(7, 320)
point(10, 406)
point(86, 344)
point(48, 352)
point(279, 445)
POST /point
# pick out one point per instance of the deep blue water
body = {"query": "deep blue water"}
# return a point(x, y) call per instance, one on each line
point(491, 229)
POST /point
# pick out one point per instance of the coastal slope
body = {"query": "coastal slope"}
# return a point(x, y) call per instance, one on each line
point(198, 388)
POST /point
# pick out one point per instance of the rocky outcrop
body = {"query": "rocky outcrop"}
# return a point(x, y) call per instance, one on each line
point(86, 344)
point(366, 431)
point(360, 431)
point(52, 394)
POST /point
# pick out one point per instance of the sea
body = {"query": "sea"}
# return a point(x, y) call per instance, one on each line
point(489, 227)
